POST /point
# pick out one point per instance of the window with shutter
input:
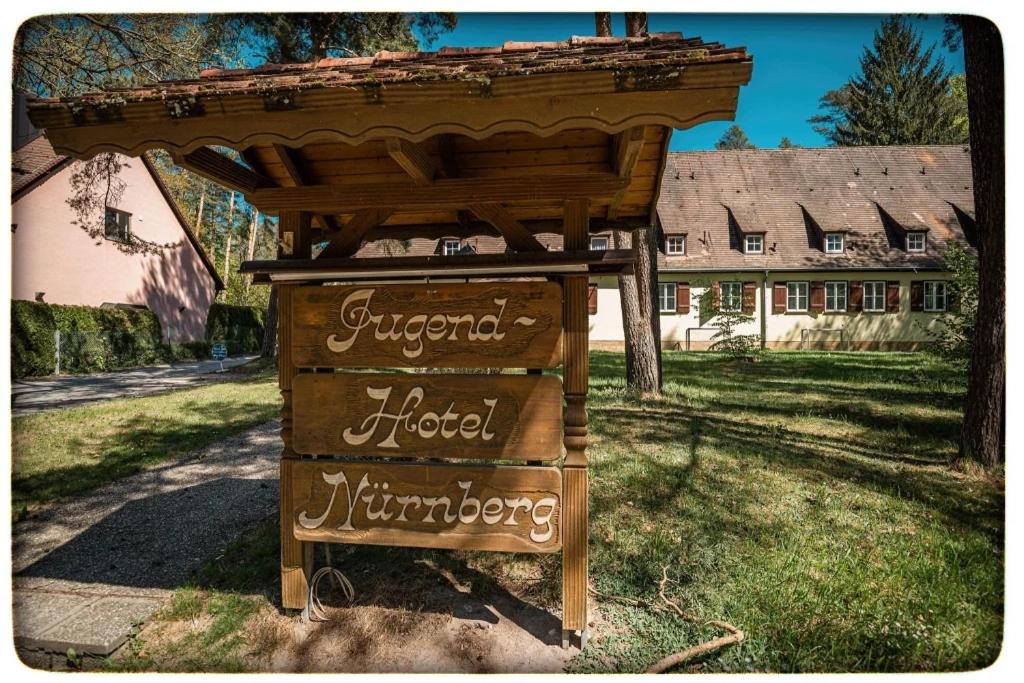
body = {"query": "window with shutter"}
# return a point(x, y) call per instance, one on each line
point(935, 296)
point(666, 297)
point(874, 297)
point(817, 298)
point(835, 297)
point(749, 297)
point(796, 297)
point(892, 297)
point(683, 297)
point(779, 298)
point(916, 296)
point(731, 297)
point(856, 302)
point(592, 299)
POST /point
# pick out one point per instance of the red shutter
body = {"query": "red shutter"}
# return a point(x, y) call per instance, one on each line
point(892, 297)
point(591, 299)
point(716, 296)
point(817, 297)
point(749, 297)
point(779, 298)
point(682, 297)
point(916, 295)
point(855, 298)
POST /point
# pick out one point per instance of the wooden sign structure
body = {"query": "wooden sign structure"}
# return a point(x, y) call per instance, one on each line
point(352, 437)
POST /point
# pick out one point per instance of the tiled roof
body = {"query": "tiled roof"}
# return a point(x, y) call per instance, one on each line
point(873, 194)
point(789, 195)
point(577, 54)
point(32, 161)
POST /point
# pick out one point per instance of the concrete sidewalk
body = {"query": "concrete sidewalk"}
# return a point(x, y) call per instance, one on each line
point(89, 569)
point(70, 390)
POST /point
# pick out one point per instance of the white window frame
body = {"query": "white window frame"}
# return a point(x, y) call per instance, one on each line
point(934, 286)
point(597, 239)
point(446, 242)
point(736, 296)
point(667, 291)
point(880, 295)
point(836, 286)
point(924, 242)
point(806, 294)
point(746, 244)
point(842, 242)
point(679, 240)
point(125, 236)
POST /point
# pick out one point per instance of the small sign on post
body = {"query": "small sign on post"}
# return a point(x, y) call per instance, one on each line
point(219, 353)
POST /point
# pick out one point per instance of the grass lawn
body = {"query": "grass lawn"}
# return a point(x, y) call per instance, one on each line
point(63, 452)
point(804, 499)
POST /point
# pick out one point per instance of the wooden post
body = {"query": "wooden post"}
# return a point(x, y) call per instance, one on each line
point(574, 474)
point(296, 557)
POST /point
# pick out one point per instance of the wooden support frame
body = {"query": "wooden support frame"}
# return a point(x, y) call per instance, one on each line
point(296, 556)
point(346, 241)
point(214, 166)
point(413, 160)
point(576, 370)
point(289, 158)
point(516, 235)
point(444, 194)
point(626, 149)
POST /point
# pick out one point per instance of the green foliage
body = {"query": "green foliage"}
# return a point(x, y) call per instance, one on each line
point(734, 138)
point(725, 338)
point(902, 96)
point(306, 37)
point(786, 143)
point(94, 338)
point(954, 339)
point(241, 327)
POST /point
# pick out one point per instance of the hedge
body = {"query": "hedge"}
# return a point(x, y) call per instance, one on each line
point(240, 327)
point(92, 339)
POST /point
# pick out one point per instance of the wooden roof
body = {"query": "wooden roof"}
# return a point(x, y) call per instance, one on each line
point(463, 141)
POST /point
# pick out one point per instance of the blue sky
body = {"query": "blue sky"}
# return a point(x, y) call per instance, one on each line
point(796, 59)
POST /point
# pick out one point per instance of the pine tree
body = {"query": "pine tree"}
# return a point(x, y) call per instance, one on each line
point(786, 143)
point(900, 97)
point(734, 138)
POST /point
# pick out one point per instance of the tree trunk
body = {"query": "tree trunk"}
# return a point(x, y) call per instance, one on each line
point(646, 274)
point(981, 438)
point(227, 247)
point(252, 242)
point(641, 349)
point(270, 326)
point(199, 214)
point(603, 24)
point(636, 23)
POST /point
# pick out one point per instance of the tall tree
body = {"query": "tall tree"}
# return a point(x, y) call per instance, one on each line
point(900, 97)
point(983, 433)
point(67, 54)
point(786, 143)
point(311, 36)
point(734, 138)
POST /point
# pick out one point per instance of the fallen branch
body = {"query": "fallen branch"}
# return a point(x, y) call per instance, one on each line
point(677, 658)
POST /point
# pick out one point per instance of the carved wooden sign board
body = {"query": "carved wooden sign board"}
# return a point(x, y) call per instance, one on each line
point(373, 436)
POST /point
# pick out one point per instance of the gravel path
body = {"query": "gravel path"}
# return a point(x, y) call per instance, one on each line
point(87, 570)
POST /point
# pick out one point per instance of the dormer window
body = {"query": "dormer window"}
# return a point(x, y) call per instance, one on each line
point(599, 243)
point(753, 244)
point(916, 242)
point(451, 246)
point(834, 243)
point(675, 245)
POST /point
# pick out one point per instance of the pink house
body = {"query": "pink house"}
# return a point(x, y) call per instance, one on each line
point(57, 261)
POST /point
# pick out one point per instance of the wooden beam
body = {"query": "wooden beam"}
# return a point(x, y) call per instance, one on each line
point(516, 235)
point(471, 226)
point(626, 148)
point(413, 159)
point(444, 194)
point(346, 241)
point(449, 167)
point(289, 158)
point(214, 166)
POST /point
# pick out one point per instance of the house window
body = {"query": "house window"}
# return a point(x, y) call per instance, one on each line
point(675, 245)
point(916, 241)
point(117, 225)
point(599, 243)
point(451, 246)
point(667, 297)
point(732, 297)
point(754, 244)
point(935, 296)
point(834, 243)
point(796, 297)
point(874, 297)
point(835, 297)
